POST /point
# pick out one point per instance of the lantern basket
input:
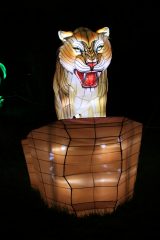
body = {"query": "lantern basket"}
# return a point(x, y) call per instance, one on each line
point(84, 165)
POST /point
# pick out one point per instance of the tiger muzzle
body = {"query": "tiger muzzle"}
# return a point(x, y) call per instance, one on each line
point(88, 79)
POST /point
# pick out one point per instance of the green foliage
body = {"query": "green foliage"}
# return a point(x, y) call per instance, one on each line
point(1, 101)
point(4, 71)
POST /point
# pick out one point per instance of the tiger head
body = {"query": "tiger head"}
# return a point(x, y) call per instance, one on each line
point(86, 54)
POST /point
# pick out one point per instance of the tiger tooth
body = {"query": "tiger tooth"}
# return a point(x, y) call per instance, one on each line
point(88, 90)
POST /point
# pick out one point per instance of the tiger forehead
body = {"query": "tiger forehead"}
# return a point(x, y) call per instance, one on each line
point(86, 36)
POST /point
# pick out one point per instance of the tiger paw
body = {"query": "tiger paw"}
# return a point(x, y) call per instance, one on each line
point(77, 116)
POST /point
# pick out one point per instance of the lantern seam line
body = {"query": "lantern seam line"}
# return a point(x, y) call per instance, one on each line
point(65, 167)
point(38, 163)
point(121, 161)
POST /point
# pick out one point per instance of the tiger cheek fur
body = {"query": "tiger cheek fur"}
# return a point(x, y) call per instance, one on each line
point(80, 81)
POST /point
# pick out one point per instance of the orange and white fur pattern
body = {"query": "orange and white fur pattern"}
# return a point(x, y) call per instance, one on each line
point(80, 81)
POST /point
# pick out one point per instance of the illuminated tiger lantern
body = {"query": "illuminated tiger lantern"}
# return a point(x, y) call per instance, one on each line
point(80, 81)
point(85, 162)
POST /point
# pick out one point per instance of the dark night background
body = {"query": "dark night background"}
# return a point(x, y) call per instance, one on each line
point(28, 46)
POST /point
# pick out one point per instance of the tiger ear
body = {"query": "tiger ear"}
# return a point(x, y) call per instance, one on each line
point(104, 30)
point(63, 35)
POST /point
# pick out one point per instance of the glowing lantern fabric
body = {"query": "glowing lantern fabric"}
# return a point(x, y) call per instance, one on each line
point(85, 165)
point(80, 81)
point(3, 72)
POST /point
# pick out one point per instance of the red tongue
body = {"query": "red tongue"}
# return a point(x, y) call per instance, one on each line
point(90, 80)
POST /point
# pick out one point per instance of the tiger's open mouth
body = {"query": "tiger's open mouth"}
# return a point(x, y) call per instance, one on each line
point(89, 79)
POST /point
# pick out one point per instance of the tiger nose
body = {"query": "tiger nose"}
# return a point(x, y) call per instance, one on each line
point(91, 64)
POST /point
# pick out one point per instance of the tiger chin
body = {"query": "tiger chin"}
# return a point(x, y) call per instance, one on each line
point(80, 81)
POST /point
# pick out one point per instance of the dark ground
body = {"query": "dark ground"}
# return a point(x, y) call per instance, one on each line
point(28, 51)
